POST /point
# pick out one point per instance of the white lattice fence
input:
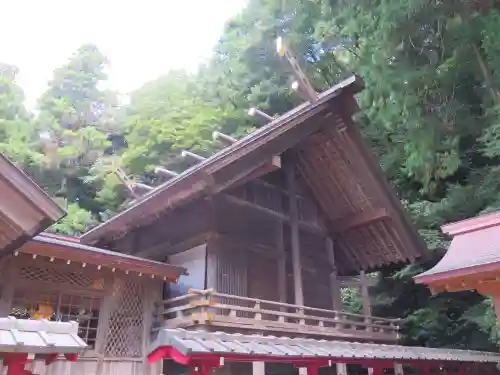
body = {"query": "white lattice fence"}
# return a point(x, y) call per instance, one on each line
point(126, 324)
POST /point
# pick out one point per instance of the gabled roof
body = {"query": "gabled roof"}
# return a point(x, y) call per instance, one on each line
point(39, 337)
point(70, 249)
point(196, 344)
point(25, 210)
point(474, 250)
point(364, 214)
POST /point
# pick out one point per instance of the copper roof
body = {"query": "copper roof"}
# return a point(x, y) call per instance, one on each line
point(70, 249)
point(475, 249)
point(39, 337)
point(25, 210)
point(225, 344)
point(333, 160)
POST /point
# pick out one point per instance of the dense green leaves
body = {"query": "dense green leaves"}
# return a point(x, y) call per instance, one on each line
point(430, 111)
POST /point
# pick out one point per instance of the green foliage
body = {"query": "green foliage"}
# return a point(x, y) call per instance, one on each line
point(75, 223)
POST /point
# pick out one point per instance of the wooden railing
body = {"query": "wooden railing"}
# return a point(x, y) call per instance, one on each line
point(226, 312)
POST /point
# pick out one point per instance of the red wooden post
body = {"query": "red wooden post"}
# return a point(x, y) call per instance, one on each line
point(378, 369)
point(426, 368)
point(312, 370)
point(16, 366)
point(462, 369)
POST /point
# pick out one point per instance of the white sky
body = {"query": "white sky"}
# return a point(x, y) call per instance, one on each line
point(142, 38)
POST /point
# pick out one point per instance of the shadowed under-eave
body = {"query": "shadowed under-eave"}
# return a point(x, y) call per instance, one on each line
point(25, 209)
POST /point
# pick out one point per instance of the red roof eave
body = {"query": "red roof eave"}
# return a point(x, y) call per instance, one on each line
point(474, 251)
point(437, 277)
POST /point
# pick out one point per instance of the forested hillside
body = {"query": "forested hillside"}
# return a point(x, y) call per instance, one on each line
point(430, 110)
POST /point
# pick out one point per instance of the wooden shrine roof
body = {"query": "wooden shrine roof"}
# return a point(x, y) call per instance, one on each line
point(198, 343)
point(474, 251)
point(364, 214)
point(39, 337)
point(70, 249)
point(25, 210)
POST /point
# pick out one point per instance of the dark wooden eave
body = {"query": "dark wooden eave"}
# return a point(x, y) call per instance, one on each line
point(25, 209)
point(71, 250)
point(365, 217)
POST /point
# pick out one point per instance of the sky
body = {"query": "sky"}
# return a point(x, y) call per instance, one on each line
point(143, 39)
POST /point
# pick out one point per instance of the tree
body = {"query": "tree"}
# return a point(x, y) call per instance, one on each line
point(428, 112)
point(78, 119)
point(18, 138)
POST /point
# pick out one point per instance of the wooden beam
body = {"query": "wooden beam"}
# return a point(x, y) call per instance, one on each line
point(159, 251)
point(295, 235)
point(282, 277)
point(300, 90)
point(223, 138)
point(144, 187)
point(302, 82)
point(365, 294)
point(126, 181)
point(257, 112)
point(334, 282)
point(192, 155)
point(360, 219)
point(303, 225)
point(354, 281)
point(234, 241)
point(271, 166)
point(165, 172)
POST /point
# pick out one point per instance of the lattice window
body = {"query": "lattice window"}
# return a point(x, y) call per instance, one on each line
point(57, 306)
point(126, 325)
point(55, 276)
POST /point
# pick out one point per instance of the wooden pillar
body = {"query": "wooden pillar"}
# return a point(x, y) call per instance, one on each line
point(341, 369)
point(152, 293)
point(398, 369)
point(258, 368)
point(334, 282)
point(294, 229)
point(7, 292)
point(114, 287)
point(281, 263)
point(365, 295)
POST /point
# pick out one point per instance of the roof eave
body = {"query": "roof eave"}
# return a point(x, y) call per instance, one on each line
point(28, 209)
point(430, 277)
point(27, 187)
point(194, 181)
point(74, 251)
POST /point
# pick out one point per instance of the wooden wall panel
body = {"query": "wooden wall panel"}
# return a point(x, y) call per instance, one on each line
point(195, 261)
point(226, 268)
point(263, 277)
point(317, 292)
point(175, 227)
point(232, 271)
